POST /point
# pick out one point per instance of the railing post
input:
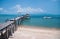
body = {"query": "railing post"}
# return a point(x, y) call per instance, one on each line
point(11, 31)
point(10, 27)
point(1, 37)
point(18, 21)
point(15, 25)
point(6, 33)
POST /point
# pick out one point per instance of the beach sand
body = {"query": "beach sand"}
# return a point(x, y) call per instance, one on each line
point(27, 32)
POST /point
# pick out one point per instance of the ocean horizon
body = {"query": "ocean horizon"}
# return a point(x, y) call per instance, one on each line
point(35, 20)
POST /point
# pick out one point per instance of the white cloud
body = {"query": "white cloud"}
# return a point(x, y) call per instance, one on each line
point(5, 11)
point(1, 9)
point(18, 9)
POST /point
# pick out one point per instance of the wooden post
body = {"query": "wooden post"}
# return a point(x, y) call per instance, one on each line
point(11, 27)
point(15, 25)
point(6, 33)
point(18, 21)
point(1, 35)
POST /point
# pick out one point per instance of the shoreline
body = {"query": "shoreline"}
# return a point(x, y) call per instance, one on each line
point(27, 32)
point(35, 27)
point(40, 29)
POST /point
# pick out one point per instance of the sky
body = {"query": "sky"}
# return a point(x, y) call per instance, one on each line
point(30, 6)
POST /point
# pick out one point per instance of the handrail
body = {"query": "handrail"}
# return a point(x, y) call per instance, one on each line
point(10, 26)
point(6, 25)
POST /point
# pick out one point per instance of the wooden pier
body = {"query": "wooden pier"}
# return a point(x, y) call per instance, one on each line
point(9, 27)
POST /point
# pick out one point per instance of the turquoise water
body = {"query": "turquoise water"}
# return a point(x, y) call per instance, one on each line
point(4, 17)
point(38, 21)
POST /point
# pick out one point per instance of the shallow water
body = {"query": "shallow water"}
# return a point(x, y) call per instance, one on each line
point(35, 21)
point(4, 17)
point(40, 22)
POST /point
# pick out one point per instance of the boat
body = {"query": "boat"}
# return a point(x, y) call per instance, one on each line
point(47, 17)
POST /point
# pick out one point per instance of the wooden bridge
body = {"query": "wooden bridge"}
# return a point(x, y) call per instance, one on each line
point(9, 27)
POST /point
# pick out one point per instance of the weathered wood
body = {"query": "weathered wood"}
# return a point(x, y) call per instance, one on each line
point(10, 26)
point(5, 25)
point(1, 36)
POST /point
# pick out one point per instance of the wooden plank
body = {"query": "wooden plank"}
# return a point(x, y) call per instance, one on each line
point(11, 21)
point(6, 25)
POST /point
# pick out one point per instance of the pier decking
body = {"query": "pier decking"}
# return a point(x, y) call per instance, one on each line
point(13, 29)
point(9, 27)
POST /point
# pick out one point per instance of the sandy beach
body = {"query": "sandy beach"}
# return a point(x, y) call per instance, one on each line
point(27, 32)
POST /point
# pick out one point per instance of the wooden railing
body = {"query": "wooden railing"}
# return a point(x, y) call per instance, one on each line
point(8, 28)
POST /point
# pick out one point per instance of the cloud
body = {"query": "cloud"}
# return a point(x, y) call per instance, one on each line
point(4, 11)
point(1, 9)
point(19, 9)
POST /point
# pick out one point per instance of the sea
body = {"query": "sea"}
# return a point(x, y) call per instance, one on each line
point(35, 20)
